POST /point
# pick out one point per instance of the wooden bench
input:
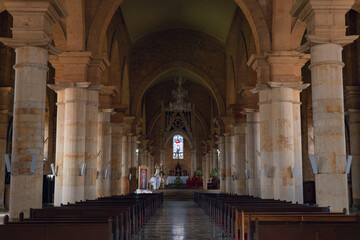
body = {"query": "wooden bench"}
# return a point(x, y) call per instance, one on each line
point(299, 231)
point(72, 230)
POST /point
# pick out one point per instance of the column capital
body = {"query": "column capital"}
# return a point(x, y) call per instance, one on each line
point(278, 66)
point(237, 111)
point(75, 66)
point(106, 95)
point(97, 65)
point(228, 125)
point(251, 110)
point(58, 86)
point(249, 98)
point(272, 85)
point(325, 21)
point(32, 22)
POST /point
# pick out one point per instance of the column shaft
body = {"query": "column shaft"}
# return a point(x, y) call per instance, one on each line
point(253, 153)
point(116, 158)
point(103, 160)
point(91, 144)
point(240, 158)
point(266, 180)
point(329, 129)
point(222, 165)
point(298, 172)
point(125, 167)
point(28, 129)
point(74, 144)
point(211, 163)
point(204, 167)
point(215, 158)
point(228, 165)
point(59, 147)
point(283, 143)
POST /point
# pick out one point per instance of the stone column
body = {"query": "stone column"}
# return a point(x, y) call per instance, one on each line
point(134, 162)
point(31, 40)
point(240, 158)
point(211, 163)
point(145, 157)
point(125, 166)
point(151, 168)
point(162, 156)
point(204, 172)
point(6, 105)
point(326, 34)
point(141, 156)
point(215, 159)
point(103, 160)
point(116, 157)
point(193, 162)
point(134, 145)
point(352, 96)
point(298, 167)
point(91, 138)
point(279, 101)
point(222, 164)
point(74, 144)
point(228, 164)
point(253, 166)
point(208, 166)
point(59, 147)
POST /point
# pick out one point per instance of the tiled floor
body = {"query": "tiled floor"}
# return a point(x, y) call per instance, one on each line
point(181, 220)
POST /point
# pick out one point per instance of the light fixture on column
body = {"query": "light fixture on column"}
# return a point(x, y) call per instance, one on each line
point(33, 164)
point(83, 168)
point(235, 176)
point(54, 173)
point(348, 164)
point(294, 171)
point(247, 174)
point(106, 173)
point(7, 162)
point(266, 173)
point(313, 164)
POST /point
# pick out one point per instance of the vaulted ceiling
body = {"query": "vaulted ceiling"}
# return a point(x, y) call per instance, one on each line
point(213, 17)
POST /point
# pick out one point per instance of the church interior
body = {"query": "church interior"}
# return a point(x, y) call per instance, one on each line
point(219, 102)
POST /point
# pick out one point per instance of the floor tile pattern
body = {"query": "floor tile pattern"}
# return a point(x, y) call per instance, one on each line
point(181, 220)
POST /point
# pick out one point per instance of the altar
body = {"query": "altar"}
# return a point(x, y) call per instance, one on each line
point(171, 179)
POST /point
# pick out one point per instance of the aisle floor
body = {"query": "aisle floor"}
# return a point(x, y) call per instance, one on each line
point(181, 220)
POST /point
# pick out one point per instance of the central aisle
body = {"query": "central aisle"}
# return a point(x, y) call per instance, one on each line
point(180, 220)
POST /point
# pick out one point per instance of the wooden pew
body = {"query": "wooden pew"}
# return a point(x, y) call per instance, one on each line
point(316, 231)
point(131, 211)
point(72, 230)
point(242, 226)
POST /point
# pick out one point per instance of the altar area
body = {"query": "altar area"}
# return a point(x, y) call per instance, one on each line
point(171, 179)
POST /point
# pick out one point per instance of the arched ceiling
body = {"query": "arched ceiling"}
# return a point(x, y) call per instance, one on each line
point(213, 17)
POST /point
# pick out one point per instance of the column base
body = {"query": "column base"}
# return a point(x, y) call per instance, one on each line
point(25, 193)
point(332, 190)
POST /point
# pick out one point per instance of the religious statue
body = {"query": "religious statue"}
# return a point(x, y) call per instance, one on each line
point(143, 179)
point(156, 179)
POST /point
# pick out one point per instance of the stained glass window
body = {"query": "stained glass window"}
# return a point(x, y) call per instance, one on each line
point(178, 147)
